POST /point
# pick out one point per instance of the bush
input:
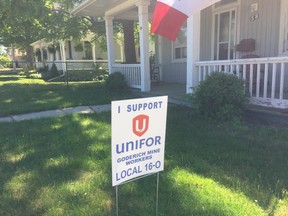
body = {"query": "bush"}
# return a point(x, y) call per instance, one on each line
point(22, 73)
point(116, 83)
point(221, 96)
point(5, 61)
point(44, 72)
point(53, 72)
point(100, 73)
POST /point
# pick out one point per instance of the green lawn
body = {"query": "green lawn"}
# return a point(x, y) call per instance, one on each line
point(23, 95)
point(62, 166)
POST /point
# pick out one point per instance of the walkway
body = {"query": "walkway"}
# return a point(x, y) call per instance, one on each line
point(53, 113)
point(176, 96)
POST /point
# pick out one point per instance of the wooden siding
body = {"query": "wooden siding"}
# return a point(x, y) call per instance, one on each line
point(265, 29)
point(172, 71)
point(206, 35)
point(175, 72)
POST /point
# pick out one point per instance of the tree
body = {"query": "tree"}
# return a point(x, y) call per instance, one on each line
point(66, 23)
point(129, 40)
point(23, 22)
point(20, 23)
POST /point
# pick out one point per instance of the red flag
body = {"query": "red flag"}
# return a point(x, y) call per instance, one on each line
point(170, 15)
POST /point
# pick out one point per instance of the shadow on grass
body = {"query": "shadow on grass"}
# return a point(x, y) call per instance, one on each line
point(252, 161)
point(62, 166)
point(53, 166)
point(9, 78)
point(19, 98)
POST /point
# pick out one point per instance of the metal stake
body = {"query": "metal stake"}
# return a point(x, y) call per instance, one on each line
point(117, 213)
point(157, 194)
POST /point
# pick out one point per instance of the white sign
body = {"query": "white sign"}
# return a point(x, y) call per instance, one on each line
point(138, 137)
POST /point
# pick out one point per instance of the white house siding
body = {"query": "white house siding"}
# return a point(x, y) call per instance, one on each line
point(206, 35)
point(175, 72)
point(172, 71)
point(265, 30)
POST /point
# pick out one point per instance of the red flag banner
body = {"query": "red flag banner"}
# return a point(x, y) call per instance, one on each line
point(170, 15)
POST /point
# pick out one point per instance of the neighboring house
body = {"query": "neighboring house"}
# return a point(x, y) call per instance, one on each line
point(248, 38)
point(72, 54)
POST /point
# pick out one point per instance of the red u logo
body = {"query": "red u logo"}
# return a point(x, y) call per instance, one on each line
point(140, 125)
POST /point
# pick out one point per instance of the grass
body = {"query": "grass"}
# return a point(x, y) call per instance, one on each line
point(62, 166)
point(23, 95)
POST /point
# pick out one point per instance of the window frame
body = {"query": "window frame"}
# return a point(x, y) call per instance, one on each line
point(283, 30)
point(180, 46)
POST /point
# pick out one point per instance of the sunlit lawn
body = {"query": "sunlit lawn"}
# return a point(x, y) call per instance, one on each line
point(22, 95)
point(62, 166)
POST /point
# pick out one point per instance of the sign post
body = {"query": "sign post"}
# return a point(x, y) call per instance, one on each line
point(138, 138)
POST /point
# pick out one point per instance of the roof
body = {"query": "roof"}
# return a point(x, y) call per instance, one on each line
point(119, 9)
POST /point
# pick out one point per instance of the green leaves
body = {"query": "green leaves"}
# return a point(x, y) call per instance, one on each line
point(220, 96)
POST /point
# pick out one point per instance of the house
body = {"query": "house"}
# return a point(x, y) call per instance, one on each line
point(72, 54)
point(248, 38)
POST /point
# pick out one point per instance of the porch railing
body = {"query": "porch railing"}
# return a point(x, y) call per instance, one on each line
point(131, 72)
point(266, 79)
point(74, 64)
point(85, 64)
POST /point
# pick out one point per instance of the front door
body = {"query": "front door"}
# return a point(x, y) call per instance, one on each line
point(224, 34)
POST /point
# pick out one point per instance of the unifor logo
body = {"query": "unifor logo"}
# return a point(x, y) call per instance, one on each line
point(140, 125)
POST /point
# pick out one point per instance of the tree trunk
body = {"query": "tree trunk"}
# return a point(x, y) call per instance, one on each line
point(29, 52)
point(129, 41)
point(13, 57)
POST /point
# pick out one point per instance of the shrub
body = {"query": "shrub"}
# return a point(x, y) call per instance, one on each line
point(80, 75)
point(53, 72)
point(221, 96)
point(5, 61)
point(22, 73)
point(116, 83)
point(100, 73)
point(44, 72)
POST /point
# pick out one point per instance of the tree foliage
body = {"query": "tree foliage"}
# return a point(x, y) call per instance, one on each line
point(23, 22)
point(20, 22)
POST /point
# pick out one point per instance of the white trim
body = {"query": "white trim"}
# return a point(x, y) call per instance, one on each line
point(143, 16)
point(258, 81)
point(122, 7)
point(110, 42)
point(226, 7)
point(283, 13)
point(180, 60)
point(81, 6)
point(193, 50)
point(222, 9)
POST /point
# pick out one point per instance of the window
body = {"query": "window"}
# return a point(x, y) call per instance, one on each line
point(224, 35)
point(180, 45)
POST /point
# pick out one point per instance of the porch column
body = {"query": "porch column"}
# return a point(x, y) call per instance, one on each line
point(159, 54)
point(13, 57)
point(110, 43)
point(94, 51)
point(48, 55)
point(63, 55)
point(144, 45)
point(42, 55)
point(193, 50)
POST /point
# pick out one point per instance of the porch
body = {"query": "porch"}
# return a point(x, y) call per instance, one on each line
point(266, 79)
